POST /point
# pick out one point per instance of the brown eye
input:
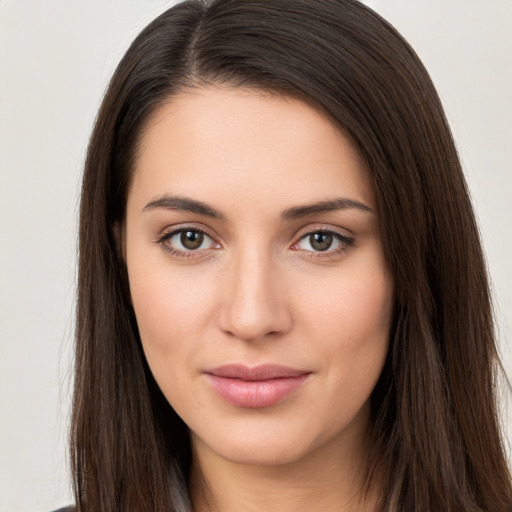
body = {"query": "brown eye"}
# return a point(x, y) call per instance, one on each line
point(324, 243)
point(321, 241)
point(187, 242)
point(191, 239)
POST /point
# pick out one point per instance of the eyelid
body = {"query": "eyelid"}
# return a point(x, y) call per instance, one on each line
point(172, 231)
point(177, 228)
point(323, 228)
point(346, 240)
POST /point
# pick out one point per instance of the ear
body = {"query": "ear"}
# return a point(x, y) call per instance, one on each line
point(119, 232)
point(120, 238)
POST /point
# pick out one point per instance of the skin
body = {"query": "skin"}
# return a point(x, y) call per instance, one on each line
point(257, 291)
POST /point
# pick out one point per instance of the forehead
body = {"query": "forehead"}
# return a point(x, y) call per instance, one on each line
point(223, 142)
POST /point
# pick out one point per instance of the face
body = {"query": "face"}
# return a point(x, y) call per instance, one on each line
point(257, 274)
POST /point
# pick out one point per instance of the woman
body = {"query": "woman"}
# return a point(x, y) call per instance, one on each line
point(283, 302)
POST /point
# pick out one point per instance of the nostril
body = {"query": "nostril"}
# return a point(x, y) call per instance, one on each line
point(255, 324)
point(254, 305)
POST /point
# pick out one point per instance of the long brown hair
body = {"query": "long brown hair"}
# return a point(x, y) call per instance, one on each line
point(435, 437)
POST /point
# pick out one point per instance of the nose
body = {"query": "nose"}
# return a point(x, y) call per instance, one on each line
point(254, 303)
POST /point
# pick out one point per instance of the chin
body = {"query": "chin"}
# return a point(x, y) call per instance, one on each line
point(262, 447)
point(254, 454)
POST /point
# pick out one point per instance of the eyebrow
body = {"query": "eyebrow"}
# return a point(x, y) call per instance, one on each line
point(184, 204)
point(340, 203)
point(191, 205)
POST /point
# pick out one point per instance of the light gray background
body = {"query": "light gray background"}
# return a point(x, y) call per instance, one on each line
point(56, 59)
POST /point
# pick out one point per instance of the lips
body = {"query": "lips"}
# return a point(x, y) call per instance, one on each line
point(256, 387)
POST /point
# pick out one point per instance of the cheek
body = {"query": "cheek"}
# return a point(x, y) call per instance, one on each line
point(169, 308)
point(350, 319)
point(171, 313)
point(351, 325)
point(355, 303)
point(171, 303)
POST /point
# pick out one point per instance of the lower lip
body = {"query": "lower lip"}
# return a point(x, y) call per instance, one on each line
point(255, 394)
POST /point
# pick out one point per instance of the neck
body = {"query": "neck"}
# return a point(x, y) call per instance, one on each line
point(332, 479)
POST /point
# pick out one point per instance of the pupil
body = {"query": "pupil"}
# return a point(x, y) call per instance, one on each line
point(191, 239)
point(321, 241)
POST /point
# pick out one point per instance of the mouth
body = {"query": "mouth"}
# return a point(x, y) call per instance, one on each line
point(256, 387)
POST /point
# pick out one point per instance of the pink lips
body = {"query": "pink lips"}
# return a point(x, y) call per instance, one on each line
point(261, 386)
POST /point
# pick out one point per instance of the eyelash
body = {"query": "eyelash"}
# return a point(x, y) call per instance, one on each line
point(176, 252)
point(345, 243)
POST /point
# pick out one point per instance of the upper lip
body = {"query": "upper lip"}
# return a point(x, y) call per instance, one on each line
point(260, 372)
